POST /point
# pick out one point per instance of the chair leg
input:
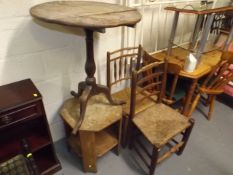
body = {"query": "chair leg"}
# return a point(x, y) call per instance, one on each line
point(125, 131)
point(130, 135)
point(119, 137)
point(186, 136)
point(154, 159)
point(211, 108)
point(194, 104)
point(208, 100)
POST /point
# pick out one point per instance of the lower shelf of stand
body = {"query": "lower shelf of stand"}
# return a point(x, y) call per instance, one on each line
point(104, 141)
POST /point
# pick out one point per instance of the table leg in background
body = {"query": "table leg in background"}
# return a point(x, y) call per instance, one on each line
point(189, 98)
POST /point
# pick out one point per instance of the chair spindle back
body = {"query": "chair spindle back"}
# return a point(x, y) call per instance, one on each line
point(121, 63)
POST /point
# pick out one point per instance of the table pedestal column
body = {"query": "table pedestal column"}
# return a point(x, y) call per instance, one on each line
point(88, 88)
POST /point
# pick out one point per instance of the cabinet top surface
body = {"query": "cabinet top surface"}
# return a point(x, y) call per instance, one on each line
point(17, 93)
point(217, 8)
point(86, 14)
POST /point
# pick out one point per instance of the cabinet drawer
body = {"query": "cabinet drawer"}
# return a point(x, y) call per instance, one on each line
point(20, 114)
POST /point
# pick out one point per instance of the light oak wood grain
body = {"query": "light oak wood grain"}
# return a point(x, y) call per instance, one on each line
point(96, 15)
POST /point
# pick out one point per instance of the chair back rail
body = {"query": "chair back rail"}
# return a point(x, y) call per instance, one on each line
point(146, 86)
point(172, 68)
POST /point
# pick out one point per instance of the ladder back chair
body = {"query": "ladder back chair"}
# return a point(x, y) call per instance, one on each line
point(159, 124)
point(120, 64)
point(220, 75)
point(174, 91)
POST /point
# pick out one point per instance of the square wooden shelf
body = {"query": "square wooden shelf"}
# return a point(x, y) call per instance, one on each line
point(105, 140)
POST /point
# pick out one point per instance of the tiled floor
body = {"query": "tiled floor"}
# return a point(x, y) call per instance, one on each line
point(209, 152)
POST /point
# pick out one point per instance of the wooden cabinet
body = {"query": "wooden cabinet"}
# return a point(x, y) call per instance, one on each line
point(22, 115)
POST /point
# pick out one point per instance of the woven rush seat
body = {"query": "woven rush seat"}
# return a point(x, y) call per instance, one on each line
point(160, 123)
point(125, 96)
point(99, 113)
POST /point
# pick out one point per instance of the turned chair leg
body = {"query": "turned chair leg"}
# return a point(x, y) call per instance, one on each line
point(186, 136)
point(154, 158)
point(211, 108)
point(208, 100)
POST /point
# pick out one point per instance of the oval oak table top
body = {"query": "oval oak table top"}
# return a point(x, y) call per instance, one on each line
point(86, 14)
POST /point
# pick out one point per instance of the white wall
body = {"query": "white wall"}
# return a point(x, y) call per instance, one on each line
point(52, 56)
point(154, 30)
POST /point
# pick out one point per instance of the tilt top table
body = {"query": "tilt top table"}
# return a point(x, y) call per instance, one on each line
point(91, 16)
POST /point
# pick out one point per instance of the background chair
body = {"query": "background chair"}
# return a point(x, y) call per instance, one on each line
point(160, 125)
point(213, 85)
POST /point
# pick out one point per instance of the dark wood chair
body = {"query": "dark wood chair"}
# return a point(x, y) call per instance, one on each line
point(220, 75)
point(160, 125)
point(120, 64)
